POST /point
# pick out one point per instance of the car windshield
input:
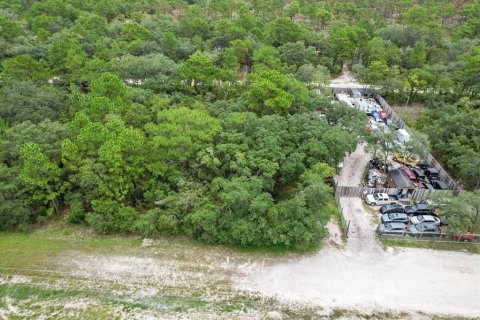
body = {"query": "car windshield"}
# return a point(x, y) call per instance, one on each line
point(376, 196)
point(421, 218)
point(420, 227)
point(388, 226)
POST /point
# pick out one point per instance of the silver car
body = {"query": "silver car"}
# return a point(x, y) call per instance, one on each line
point(395, 217)
point(392, 228)
point(425, 218)
point(425, 229)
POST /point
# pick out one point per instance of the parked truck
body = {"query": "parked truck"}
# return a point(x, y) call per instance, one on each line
point(380, 199)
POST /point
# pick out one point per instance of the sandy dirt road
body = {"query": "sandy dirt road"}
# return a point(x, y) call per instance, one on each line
point(345, 80)
point(353, 167)
point(404, 280)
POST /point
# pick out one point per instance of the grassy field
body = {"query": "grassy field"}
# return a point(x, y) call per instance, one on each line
point(66, 272)
point(60, 271)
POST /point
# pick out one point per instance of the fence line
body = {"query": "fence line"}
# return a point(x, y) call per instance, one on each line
point(351, 192)
point(343, 222)
point(444, 238)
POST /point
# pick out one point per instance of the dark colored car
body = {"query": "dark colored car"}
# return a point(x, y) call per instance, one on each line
point(393, 228)
point(392, 208)
point(423, 165)
point(432, 173)
point(395, 217)
point(440, 185)
point(418, 173)
point(418, 209)
point(424, 229)
point(428, 186)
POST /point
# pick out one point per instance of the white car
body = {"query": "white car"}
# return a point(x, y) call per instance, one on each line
point(425, 218)
point(380, 199)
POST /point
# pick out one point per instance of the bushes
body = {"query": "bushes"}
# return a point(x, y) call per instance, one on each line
point(109, 216)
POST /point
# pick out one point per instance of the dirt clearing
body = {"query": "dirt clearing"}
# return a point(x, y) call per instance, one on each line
point(77, 276)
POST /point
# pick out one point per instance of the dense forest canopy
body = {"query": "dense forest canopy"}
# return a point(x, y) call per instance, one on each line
point(200, 117)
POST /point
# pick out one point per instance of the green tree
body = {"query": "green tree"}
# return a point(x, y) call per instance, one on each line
point(24, 68)
point(462, 212)
point(199, 72)
point(283, 30)
point(25, 101)
point(179, 135)
point(40, 178)
point(274, 92)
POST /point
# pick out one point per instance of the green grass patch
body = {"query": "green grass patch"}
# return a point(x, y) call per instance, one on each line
point(436, 245)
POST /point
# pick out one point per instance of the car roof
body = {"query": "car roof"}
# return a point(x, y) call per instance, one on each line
point(398, 224)
point(422, 206)
point(391, 206)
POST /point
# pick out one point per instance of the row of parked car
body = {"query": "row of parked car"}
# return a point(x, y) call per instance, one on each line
point(417, 220)
point(421, 174)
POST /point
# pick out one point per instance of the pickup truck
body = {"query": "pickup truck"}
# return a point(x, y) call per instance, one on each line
point(380, 199)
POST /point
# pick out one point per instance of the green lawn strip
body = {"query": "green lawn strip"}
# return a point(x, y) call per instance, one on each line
point(436, 245)
point(28, 298)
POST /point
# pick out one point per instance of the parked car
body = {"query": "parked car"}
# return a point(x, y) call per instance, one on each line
point(392, 228)
point(395, 217)
point(425, 229)
point(392, 208)
point(409, 173)
point(419, 174)
point(440, 185)
point(380, 199)
point(466, 237)
point(432, 173)
point(425, 218)
point(418, 209)
point(428, 186)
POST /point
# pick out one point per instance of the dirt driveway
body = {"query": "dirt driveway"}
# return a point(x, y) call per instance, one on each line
point(353, 167)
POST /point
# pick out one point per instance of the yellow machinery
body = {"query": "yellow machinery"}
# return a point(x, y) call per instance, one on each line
point(408, 161)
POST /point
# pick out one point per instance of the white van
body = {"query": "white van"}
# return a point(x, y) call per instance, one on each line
point(403, 136)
